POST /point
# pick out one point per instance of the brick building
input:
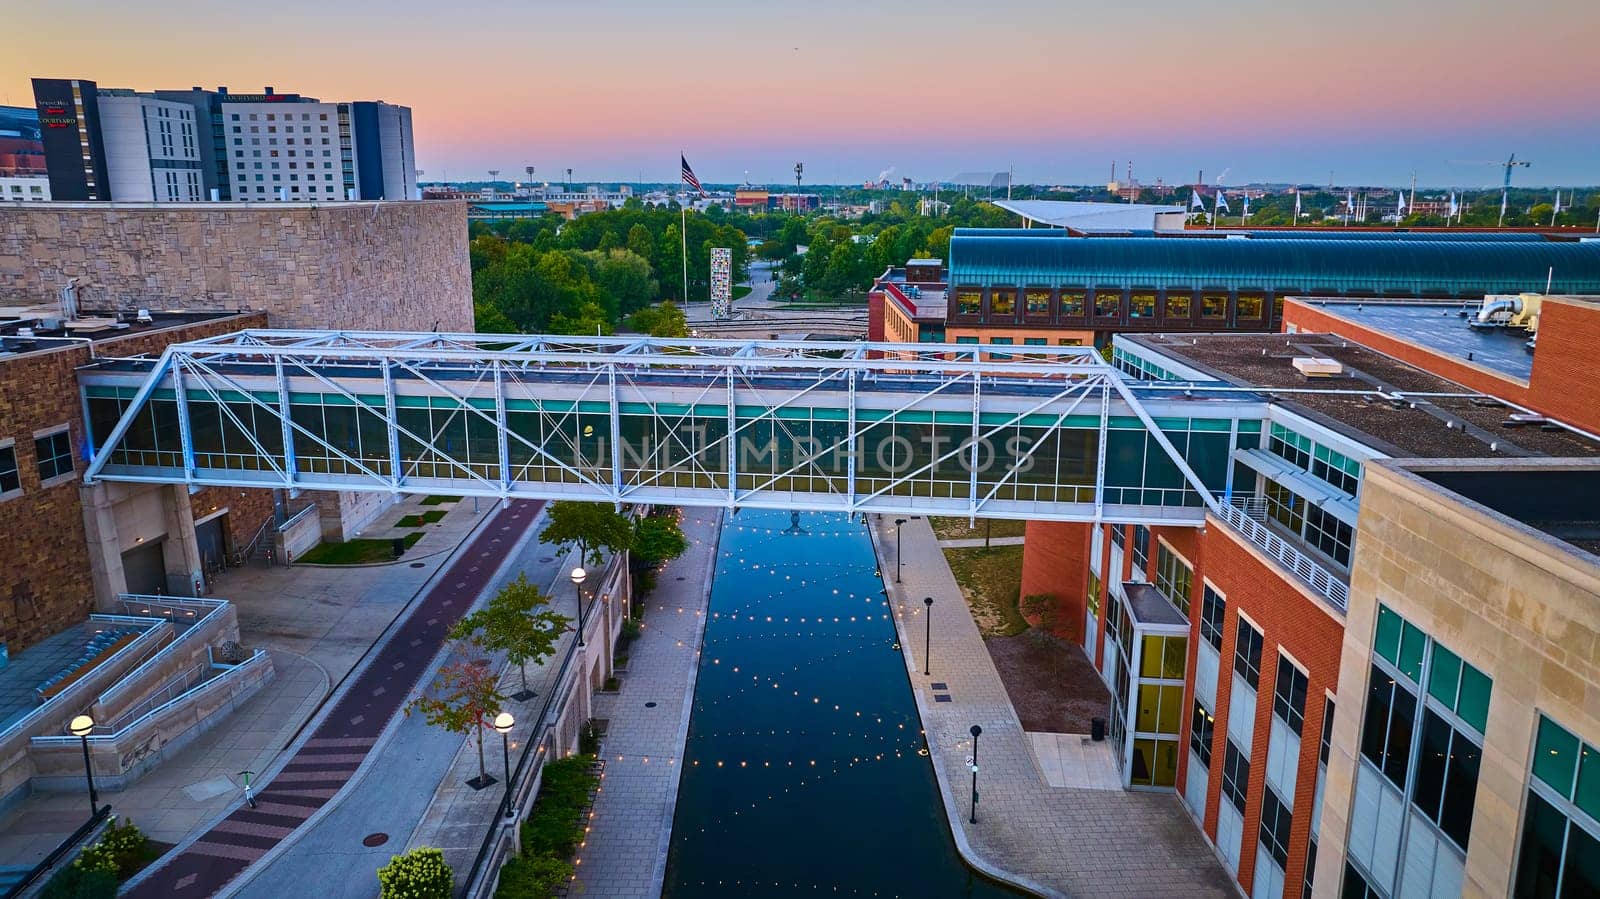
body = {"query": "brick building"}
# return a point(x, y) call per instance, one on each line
point(1351, 674)
point(50, 580)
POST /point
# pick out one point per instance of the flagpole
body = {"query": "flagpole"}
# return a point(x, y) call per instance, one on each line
point(683, 234)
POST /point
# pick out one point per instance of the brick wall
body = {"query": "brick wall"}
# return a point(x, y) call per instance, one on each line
point(1055, 563)
point(1312, 636)
point(875, 302)
point(44, 583)
point(1563, 383)
point(388, 266)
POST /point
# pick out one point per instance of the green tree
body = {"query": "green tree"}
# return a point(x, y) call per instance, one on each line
point(517, 621)
point(465, 698)
point(588, 320)
point(663, 320)
point(625, 277)
point(488, 319)
point(657, 538)
point(592, 526)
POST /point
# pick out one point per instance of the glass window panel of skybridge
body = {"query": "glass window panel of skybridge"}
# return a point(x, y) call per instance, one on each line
point(673, 450)
point(225, 435)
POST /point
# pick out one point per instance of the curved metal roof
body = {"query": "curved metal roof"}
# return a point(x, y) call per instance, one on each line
point(1304, 265)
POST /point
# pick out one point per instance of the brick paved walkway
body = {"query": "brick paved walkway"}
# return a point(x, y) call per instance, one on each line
point(1060, 841)
point(329, 757)
point(625, 854)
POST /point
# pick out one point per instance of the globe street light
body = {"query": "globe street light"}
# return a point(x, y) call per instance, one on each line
point(927, 649)
point(976, 730)
point(81, 727)
point(578, 576)
point(503, 723)
point(898, 523)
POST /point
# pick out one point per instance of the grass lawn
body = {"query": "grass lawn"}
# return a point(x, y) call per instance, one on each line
point(356, 552)
point(956, 528)
point(438, 500)
point(740, 291)
point(991, 580)
point(417, 521)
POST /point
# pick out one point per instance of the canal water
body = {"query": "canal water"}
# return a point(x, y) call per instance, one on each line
point(805, 771)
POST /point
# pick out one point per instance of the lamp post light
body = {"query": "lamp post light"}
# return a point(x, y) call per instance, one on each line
point(898, 524)
point(976, 730)
point(81, 727)
point(578, 576)
point(503, 723)
point(927, 647)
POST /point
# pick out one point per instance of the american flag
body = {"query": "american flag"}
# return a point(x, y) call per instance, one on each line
point(688, 175)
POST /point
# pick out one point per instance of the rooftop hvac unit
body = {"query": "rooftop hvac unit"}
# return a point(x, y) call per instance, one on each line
point(144, 317)
point(1317, 367)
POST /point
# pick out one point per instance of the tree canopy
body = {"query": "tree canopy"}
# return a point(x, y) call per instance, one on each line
point(592, 526)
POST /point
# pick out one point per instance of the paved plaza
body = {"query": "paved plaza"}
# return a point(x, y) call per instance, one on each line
point(1059, 841)
point(625, 854)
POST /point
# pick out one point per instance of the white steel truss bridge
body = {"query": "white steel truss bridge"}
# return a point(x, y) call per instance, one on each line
point(1052, 433)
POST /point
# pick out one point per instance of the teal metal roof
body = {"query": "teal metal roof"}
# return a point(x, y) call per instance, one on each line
point(1371, 267)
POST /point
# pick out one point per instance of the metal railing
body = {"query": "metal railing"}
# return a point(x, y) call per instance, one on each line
point(190, 613)
point(250, 547)
point(1246, 515)
point(226, 678)
point(294, 519)
point(56, 703)
point(176, 686)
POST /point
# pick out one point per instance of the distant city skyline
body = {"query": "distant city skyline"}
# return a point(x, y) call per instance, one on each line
point(614, 89)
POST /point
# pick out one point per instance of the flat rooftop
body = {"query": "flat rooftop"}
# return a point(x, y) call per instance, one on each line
point(50, 331)
point(1438, 419)
point(1440, 328)
point(1561, 502)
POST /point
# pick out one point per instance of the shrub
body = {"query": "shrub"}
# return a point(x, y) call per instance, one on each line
point(589, 739)
point(526, 877)
point(418, 874)
point(631, 630)
point(75, 882)
point(1041, 606)
point(555, 826)
point(655, 540)
point(121, 851)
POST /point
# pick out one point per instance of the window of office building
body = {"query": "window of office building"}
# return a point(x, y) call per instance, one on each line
point(1289, 694)
point(1386, 729)
point(1180, 304)
point(1276, 820)
point(1327, 731)
point(1235, 776)
point(1141, 550)
point(1142, 304)
point(1108, 302)
point(10, 479)
point(969, 301)
point(1447, 776)
point(1247, 654)
point(54, 454)
point(1251, 305)
point(1174, 577)
point(1038, 302)
point(1214, 305)
point(1202, 726)
point(1001, 341)
point(1213, 612)
point(1560, 844)
point(1072, 302)
point(1117, 536)
point(1002, 302)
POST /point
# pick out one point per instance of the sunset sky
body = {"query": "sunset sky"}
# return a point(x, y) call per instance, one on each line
point(1265, 90)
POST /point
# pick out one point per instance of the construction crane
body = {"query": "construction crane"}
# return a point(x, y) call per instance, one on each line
point(1511, 162)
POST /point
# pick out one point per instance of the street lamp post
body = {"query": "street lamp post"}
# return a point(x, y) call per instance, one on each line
point(927, 647)
point(976, 730)
point(578, 576)
point(81, 727)
point(503, 723)
point(898, 524)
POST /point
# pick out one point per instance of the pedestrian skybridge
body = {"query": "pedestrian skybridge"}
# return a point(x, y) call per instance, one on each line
point(1046, 433)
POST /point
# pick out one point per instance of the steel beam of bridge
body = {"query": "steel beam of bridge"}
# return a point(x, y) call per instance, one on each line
point(1050, 433)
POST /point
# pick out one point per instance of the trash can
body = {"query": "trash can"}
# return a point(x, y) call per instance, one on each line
point(399, 546)
point(1097, 729)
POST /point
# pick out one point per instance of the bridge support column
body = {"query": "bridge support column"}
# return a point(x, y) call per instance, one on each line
point(181, 552)
point(1055, 563)
point(105, 551)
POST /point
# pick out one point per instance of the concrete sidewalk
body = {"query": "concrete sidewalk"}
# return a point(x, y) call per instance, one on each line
point(625, 853)
point(977, 542)
point(1059, 841)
